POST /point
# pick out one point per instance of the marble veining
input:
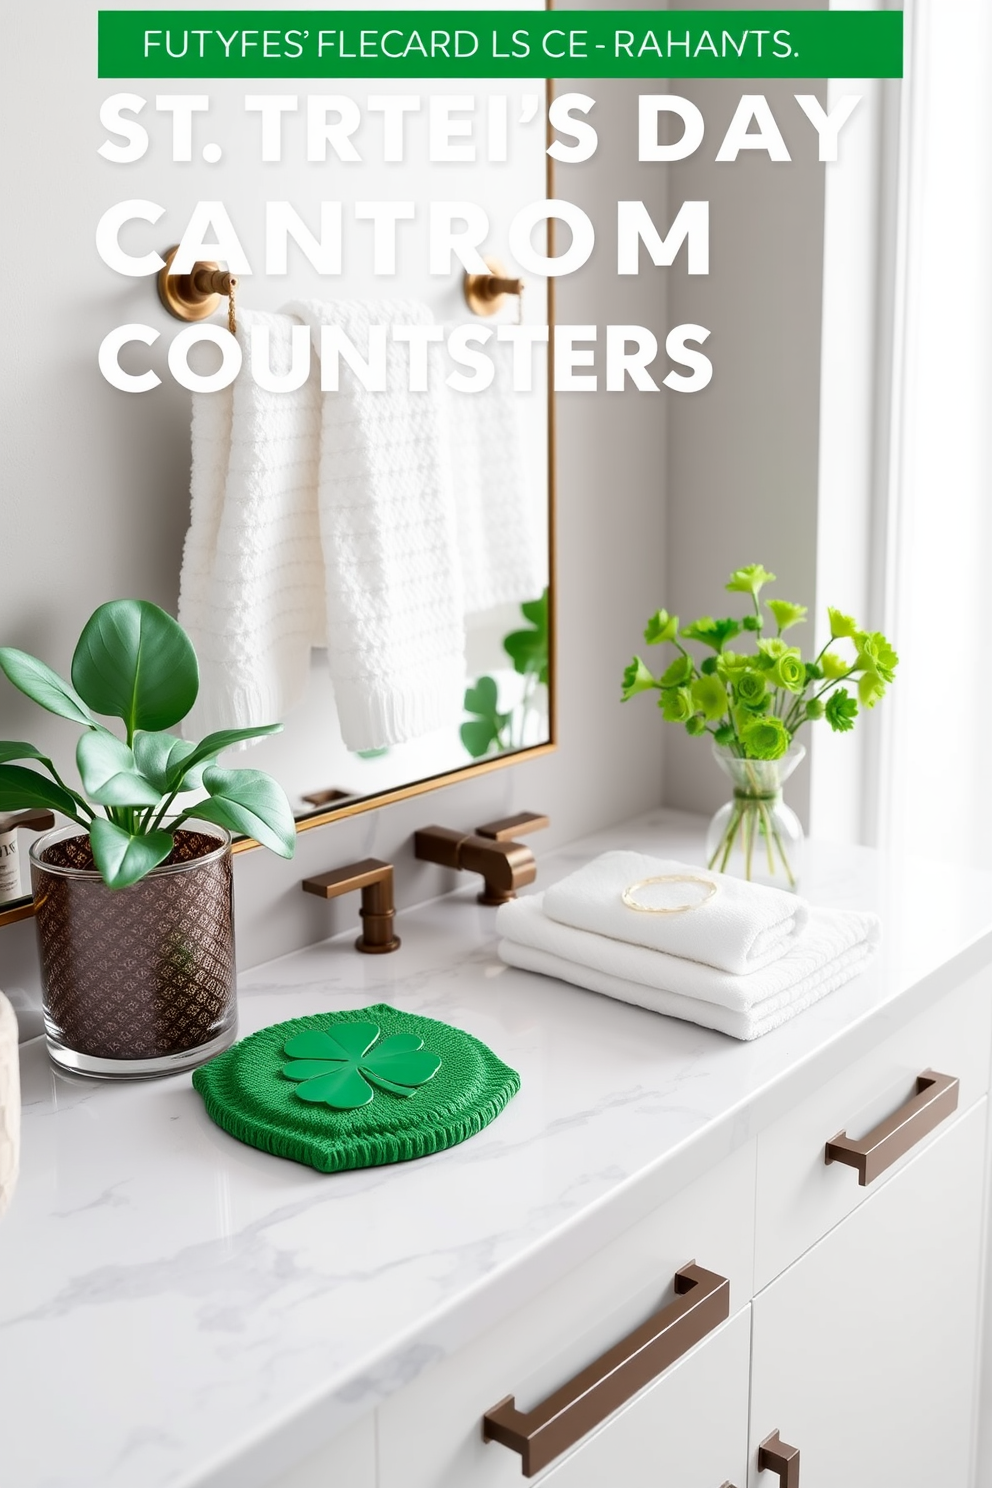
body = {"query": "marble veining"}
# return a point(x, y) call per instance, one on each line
point(178, 1310)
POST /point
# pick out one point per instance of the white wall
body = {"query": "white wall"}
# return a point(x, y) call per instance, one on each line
point(109, 476)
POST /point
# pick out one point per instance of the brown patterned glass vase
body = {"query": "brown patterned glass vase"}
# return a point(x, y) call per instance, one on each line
point(137, 981)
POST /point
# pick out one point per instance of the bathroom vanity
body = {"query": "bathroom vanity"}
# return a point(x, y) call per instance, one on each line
point(181, 1311)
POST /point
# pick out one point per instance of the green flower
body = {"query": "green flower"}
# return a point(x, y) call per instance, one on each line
point(678, 673)
point(753, 622)
point(789, 672)
point(834, 666)
point(695, 725)
point(765, 738)
point(712, 632)
point(725, 734)
point(731, 664)
point(676, 704)
point(751, 688)
point(786, 613)
point(334, 1069)
point(876, 655)
point(710, 698)
point(841, 625)
point(661, 627)
point(871, 688)
point(841, 711)
point(707, 666)
point(814, 672)
point(775, 648)
point(636, 678)
point(749, 580)
point(815, 709)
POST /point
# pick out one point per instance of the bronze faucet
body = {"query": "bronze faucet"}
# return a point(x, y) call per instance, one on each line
point(375, 879)
point(505, 865)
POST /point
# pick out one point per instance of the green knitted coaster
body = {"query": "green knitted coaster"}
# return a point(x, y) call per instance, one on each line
point(408, 1086)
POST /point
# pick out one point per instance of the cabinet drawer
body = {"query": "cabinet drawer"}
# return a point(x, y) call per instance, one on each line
point(430, 1433)
point(689, 1429)
point(864, 1352)
point(799, 1196)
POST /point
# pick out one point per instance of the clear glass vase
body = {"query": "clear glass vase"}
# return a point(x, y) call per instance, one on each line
point(756, 836)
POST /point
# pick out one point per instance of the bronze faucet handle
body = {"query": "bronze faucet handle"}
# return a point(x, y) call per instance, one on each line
point(509, 827)
point(505, 865)
point(375, 879)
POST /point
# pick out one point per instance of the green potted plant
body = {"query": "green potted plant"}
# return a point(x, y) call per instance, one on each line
point(133, 899)
point(754, 704)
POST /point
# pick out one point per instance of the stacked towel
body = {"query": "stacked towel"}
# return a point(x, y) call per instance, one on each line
point(745, 926)
point(324, 519)
point(799, 959)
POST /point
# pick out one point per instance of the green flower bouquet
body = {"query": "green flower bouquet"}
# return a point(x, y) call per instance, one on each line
point(753, 704)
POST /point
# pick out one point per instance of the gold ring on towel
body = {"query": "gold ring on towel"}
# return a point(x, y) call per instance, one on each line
point(689, 878)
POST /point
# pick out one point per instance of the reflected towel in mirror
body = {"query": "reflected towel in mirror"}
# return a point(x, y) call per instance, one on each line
point(499, 498)
point(324, 519)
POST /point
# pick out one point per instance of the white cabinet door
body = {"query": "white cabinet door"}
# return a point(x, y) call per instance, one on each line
point(687, 1431)
point(864, 1351)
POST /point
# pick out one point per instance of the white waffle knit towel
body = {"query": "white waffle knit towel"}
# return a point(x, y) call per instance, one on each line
point(499, 495)
point(251, 594)
point(740, 928)
point(324, 519)
point(395, 608)
point(834, 948)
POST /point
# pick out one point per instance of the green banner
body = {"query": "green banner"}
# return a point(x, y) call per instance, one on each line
point(499, 43)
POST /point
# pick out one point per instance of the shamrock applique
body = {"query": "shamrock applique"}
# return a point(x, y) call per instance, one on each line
point(335, 1068)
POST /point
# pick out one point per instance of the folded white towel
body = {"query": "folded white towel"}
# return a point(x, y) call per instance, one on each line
point(740, 929)
point(395, 632)
point(252, 586)
point(834, 948)
point(324, 519)
point(497, 492)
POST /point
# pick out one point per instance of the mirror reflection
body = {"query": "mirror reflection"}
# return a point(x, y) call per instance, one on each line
point(370, 568)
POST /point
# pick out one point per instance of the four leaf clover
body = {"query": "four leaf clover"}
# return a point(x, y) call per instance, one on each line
point(339, 1069)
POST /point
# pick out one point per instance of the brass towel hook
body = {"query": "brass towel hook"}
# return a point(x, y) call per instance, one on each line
point(485, 293)
point(196, 295)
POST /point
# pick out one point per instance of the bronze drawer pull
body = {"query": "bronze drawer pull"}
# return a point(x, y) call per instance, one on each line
point(936, 1097)
point(775, 1455)
point(602, 1387)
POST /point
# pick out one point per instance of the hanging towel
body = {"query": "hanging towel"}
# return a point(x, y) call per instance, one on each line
point(741, 928)
point(395, 632)
point(834, 948)
point(501, 513)
point(323, 519)
point(252, 587)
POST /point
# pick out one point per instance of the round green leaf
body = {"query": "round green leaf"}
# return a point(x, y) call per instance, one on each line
point(209, 748)
point(121, 859)
point(251, 802)
point(109, 773)
point(10, 749)
point(43, 686)
point(22, 790)
point(135, 662)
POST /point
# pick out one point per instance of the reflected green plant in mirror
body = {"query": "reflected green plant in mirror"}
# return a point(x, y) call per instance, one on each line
point(136, 663)
point(489, 730)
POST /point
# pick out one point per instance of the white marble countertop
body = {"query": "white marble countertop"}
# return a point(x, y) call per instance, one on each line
point(177, 1309)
